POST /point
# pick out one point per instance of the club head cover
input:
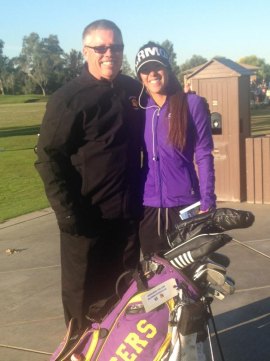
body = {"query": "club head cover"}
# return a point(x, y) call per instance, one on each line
point(195, 249)
point(214, 221)
point(220, 258)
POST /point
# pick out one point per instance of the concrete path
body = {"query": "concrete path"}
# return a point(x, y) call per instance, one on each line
point(31, 318)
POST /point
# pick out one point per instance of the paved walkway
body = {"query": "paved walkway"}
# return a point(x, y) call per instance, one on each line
point(31, 318)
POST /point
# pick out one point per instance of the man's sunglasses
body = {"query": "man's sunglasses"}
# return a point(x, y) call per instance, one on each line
point(115, 48)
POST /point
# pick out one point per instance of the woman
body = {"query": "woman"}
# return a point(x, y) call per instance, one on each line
point(177, 132)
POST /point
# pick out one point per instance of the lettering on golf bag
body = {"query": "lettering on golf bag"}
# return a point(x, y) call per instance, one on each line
point(129, 332)
point(136, 341)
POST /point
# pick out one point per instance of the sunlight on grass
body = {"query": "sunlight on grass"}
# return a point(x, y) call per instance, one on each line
point(18, 99)
point(21, 189)
point(21, 114)
point(260, 122)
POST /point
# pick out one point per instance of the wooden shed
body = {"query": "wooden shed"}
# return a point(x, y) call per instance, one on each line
point(226, 86)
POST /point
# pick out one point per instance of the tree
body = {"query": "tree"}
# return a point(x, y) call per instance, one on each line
point(168, 46)
point(126, 69)
point(193, 62)
point(9, 77)
point(3, 67)
point(41, 59)
point(263, 72)
point(73, 63)
point(7, 72)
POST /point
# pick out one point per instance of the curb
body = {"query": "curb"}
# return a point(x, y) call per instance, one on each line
point(26, 218)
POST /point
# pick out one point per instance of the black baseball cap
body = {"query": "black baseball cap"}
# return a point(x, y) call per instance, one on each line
point(150, 54)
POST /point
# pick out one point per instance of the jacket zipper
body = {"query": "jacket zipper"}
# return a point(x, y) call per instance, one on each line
point(154, 135)
point(155, 120)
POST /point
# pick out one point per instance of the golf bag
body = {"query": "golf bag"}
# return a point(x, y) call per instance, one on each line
point(162, 314)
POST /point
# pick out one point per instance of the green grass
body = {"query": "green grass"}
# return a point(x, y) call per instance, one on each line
point(18, 99)
point(260, 121)
point(21, 189)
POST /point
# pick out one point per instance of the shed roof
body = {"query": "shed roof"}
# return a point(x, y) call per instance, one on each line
point(237, 69)
point(252, 68)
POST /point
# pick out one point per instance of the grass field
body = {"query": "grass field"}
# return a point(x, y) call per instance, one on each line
point(260, 121)
point(22, 99)
point(21, 190)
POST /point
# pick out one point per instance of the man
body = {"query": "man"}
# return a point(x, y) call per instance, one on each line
point(89, 160)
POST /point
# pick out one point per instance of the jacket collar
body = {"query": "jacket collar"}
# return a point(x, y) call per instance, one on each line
point(86, 74)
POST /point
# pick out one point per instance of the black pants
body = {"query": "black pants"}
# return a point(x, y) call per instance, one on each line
point(154, 226)
point(91, 266)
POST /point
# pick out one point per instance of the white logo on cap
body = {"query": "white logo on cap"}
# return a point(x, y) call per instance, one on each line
point(154, 51)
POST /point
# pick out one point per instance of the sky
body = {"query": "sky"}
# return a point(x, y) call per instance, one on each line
point(232, 28)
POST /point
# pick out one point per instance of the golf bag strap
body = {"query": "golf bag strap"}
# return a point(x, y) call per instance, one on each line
point(125, 279)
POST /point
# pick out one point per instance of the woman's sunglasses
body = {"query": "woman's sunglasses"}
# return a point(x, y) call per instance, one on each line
point(152, 66)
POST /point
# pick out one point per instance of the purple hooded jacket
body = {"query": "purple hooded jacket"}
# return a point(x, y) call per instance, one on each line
point(171, 178)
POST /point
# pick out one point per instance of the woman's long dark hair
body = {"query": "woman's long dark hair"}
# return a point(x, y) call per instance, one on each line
point(177, 113)
point(178, 107)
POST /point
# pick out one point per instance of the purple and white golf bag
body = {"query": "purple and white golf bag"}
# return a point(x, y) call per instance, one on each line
point(163, 314)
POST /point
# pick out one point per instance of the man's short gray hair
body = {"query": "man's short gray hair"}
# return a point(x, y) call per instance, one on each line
point(101, 24)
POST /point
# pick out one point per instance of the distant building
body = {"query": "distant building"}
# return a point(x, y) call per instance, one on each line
point(252, 69)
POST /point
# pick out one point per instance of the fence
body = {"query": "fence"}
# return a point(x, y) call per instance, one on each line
point(258, 169)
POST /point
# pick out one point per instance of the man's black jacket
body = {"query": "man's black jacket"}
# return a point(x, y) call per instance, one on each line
point(89, 148)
